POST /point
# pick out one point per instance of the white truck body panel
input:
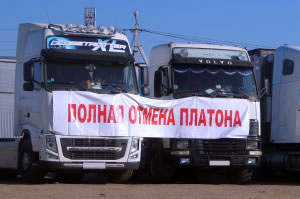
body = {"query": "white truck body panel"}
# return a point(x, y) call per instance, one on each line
point(7, 88)
point(285, 127)
point(8, 145)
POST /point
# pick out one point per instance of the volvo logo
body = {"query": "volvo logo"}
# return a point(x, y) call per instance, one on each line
point(216, 62)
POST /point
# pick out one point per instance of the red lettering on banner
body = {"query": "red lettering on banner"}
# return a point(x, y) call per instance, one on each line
point(184, 110)
point(147, 115)
point(237, 120)
point(92, 106)
point(132, 109)
point(69, 112)
point(80, 117)
point(162, 115)
point(193, 111)
point(70, 115)
point(111, 115)
point(102, 113)
point(154, 116)
point(140, 110)
point(228, 118)
point(171, 118)
point(202, 119)
point(219, 114)
point(210, 112)
point(120, 114)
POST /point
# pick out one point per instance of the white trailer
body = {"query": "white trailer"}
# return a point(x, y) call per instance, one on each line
point(278, 72)
point(55, 58)
point(7, 90)
point(183, 70)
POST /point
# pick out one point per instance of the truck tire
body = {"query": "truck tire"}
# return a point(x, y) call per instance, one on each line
point(120, 176)
point(67, 177)
point(240, 175)
point(158, 168)
point(29, 170)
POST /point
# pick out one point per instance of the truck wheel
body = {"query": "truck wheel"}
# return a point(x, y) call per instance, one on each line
point(30, 172)
point(240, 176)
point(64, 177)
point(120, 176)
point(158, 169)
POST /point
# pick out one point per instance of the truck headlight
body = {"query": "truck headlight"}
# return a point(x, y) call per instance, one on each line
point(252, 144)
point(51, 143)
point(134, 144)
point(182, 144)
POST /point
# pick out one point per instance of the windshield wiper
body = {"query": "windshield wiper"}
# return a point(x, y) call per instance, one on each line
point(194, 93)
point(220, 93)
point(240, 94)
point(72, 83)
point(119, 89)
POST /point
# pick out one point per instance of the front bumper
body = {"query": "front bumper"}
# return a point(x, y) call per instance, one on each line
point(83, 166)
point(213, 161)
point(229, 152)
point(89, 153)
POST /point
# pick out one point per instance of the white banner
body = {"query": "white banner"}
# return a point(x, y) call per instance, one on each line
point(91, 114)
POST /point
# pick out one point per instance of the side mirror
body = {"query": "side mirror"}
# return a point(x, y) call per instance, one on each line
point(145, 76)
point(28, 71)
point(158, 79)
point(266, 90)
point(267, 86)
point(28, 86)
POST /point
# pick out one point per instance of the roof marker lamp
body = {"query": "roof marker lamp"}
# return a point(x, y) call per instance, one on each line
point(100, 29)
point(90, 28)
point(80, 28)
point(69, 27)
point(184, 52)
point(110, 30)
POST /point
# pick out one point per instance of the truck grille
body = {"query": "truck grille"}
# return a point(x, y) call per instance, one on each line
point(83, 144)
point(220, 147)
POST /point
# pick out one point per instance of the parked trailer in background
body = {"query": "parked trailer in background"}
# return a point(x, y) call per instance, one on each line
point(217, 75)
point(278, 71)
point(54, 60)
point(7, 90)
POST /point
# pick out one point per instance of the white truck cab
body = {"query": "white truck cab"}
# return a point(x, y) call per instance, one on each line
point(180, 70)
point(69, 58)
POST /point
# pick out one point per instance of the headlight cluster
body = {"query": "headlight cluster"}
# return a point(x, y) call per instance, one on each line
point(134, 144)
point(252, 144)
point(51, 143)
point(182, 144)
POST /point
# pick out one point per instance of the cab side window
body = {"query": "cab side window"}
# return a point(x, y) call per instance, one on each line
point(37, 75)
point(288, 67)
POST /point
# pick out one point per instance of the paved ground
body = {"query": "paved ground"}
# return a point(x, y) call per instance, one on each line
point(207, 187)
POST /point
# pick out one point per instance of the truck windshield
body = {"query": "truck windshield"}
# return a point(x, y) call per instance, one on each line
point(99, 77)
point(213, 81)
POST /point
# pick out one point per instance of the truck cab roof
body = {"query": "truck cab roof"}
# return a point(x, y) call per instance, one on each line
point(161, 54)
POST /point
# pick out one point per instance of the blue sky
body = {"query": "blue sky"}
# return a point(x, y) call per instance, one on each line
point(254, 23)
